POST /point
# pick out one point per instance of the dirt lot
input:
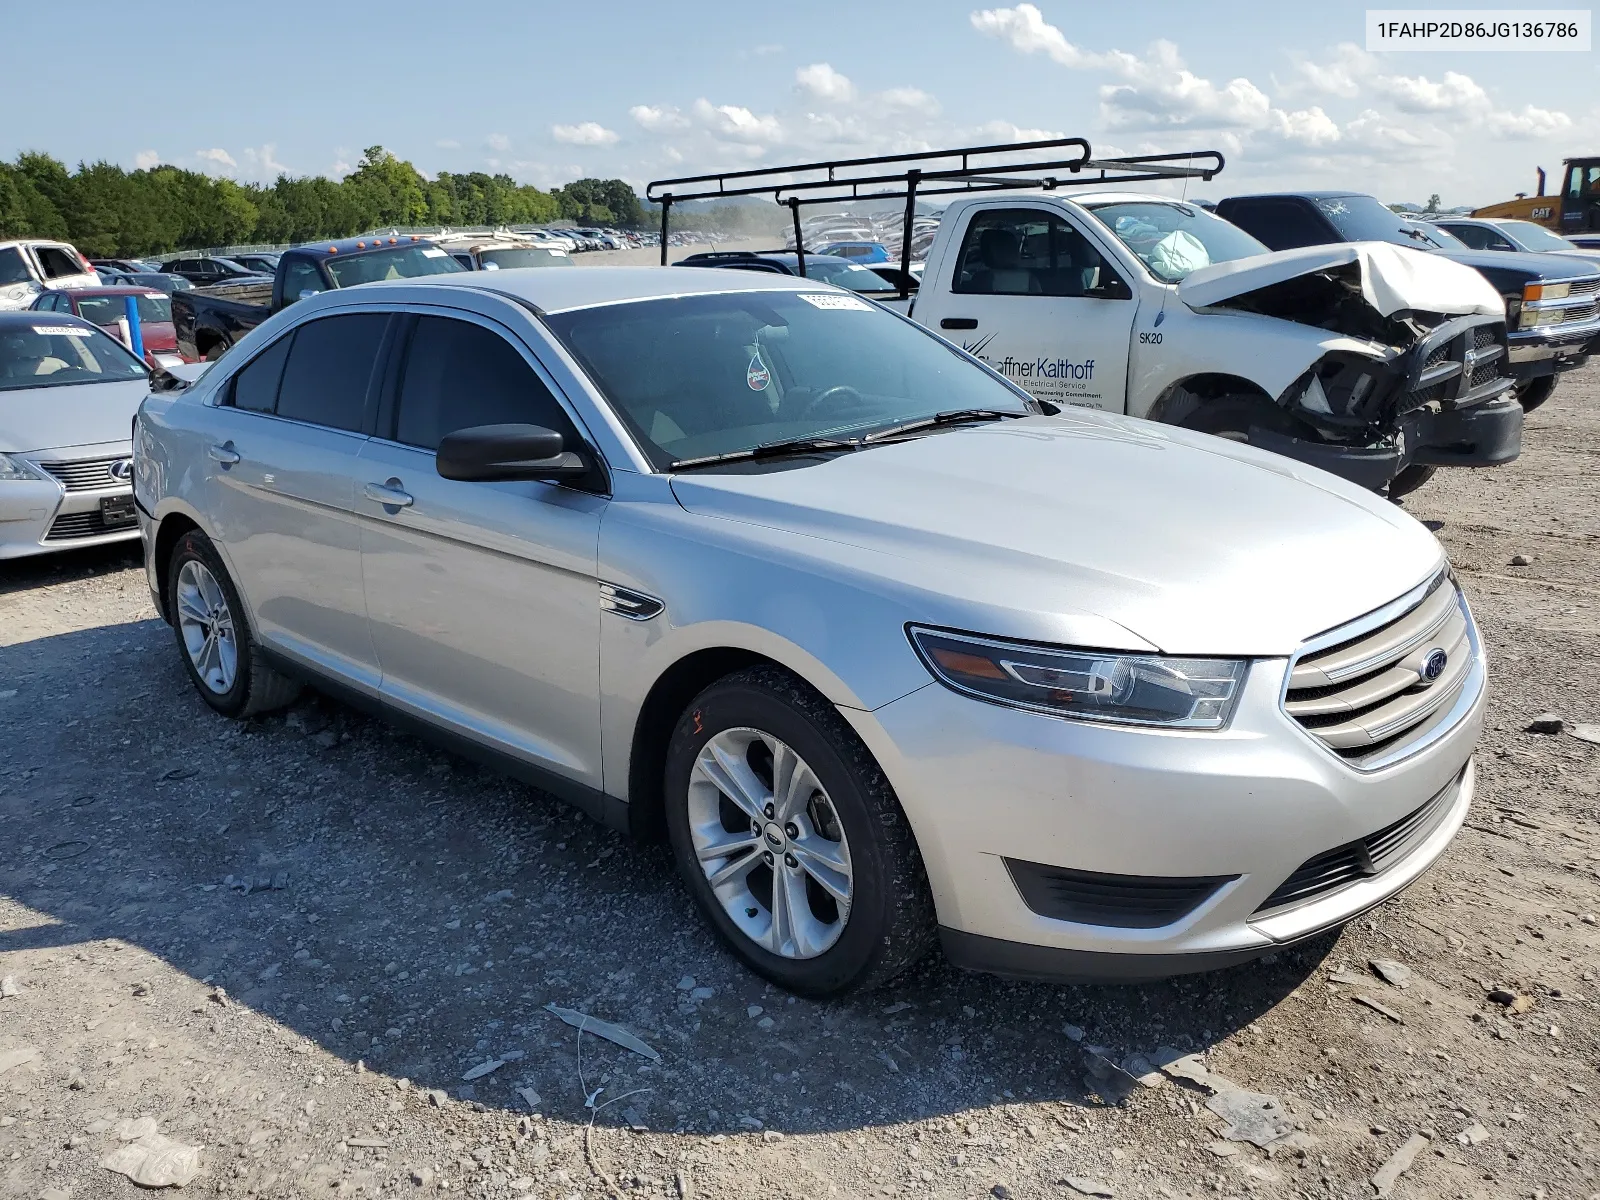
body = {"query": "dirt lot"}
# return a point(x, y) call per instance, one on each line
point(382, 918)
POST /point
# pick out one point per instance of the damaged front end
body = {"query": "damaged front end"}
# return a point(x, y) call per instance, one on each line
point(1445, 401)
point(1421, 374)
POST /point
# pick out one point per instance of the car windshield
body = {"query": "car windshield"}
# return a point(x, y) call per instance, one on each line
point(1438, 236)
point(847, 274)
point(1172, 238)
point(1363, 219)
point(701, 375)
point(48, 353)
point(531, 256)
point(106, 310)
point(1536, 237)
point(403, 262)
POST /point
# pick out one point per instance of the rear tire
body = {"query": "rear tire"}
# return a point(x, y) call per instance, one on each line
point(214, 638)
point(216, 350)
point(1535, 392)
point(855, 908)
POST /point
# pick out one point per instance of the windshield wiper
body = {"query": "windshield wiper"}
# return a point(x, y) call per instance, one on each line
point(952, 416)
point(770, 450)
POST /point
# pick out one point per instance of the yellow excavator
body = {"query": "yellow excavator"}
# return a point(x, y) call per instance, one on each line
point(1573, 211)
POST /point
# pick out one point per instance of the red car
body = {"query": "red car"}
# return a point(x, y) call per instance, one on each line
point(105, 306)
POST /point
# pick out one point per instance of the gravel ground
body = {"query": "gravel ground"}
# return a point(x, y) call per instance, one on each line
point(286, 942)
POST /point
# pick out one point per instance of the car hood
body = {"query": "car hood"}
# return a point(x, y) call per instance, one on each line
point(1555, 265)
point(1393, 278)
point(1040, 526)
point(75, 414)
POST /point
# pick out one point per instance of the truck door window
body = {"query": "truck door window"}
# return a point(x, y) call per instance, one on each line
point(1027, 252)
point(1574, 182)
point(57, 263)
point(12, 267)
point(255, 387)
point(301, 279)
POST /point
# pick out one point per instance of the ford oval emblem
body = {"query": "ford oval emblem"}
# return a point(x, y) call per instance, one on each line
point(1433, 666)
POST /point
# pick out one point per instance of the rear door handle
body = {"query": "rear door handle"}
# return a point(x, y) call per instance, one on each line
point(959, 323)
point(390, 495)
point(224, 454)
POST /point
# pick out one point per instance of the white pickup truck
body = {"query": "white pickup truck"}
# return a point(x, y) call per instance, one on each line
point(1369, 360)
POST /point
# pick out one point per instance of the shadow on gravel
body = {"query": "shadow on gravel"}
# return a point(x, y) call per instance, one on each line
point(399, 906)
point(20, 574)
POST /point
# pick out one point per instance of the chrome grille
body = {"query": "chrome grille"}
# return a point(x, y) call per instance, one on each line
point(1367, 696)
point(1585, 287)
point(86, 474)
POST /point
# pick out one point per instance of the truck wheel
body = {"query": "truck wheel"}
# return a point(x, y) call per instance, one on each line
point(790, 839)
point(216, 351)
point(1409, 480)
point(1535, 392)
point(1230, 415)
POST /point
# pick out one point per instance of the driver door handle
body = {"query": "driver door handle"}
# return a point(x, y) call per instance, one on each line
point(224, 454)
point(389, 494)
point(959, 323)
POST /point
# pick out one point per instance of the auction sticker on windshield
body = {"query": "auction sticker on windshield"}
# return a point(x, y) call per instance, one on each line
point(60, 330)
point(832, 300)
point(433, 252)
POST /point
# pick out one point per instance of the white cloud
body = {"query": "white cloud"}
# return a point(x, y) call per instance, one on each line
point(909, 99)
point(216, 158)
point(262, 161)
point(448, 144)
point(498, 142)
point(733, 121)
point(1529, 123)
point(1005, 131)
point(1454, 93)
point(585, 133)
point(1310, 126)
point(767, 48)
point(1025, 28)
point(822, 82)
point(656, 118)
point(146, 159)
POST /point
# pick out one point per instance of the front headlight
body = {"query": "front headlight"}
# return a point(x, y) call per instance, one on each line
point(1130, 689)
point(13, 469)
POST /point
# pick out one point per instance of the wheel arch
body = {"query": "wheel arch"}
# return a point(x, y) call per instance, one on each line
point(1208, 385)
point(171, 527)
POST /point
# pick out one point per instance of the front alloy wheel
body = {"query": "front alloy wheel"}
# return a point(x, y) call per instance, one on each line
point(770, 843)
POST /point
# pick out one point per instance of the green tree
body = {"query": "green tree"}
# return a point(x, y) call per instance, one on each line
point(386, 190)
point(1433, 203)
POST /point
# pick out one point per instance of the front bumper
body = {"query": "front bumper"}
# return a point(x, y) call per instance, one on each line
point(47, 515)
point(1239, 812)
point(1535, 354)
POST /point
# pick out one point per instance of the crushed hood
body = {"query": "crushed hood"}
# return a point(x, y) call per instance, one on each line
point(1045, 527)
point(73, 414)
point(1393, 278)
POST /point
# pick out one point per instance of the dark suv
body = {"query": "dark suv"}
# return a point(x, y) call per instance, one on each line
point(1552, 303)
point(205, 270)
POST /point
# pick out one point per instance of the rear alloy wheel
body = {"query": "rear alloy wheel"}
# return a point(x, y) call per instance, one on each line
point(791, 840)
point(1534, 392)
point(213, 632)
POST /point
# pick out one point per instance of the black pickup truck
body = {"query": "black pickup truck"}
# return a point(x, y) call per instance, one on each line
point(210, 320)
point(1552, 301)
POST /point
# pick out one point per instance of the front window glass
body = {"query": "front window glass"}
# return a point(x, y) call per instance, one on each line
point(1027, 252)
point(329, 368)
point(1537, 237)
point(458, 375)
point(403, 262)
point(301, 279)
point(1172, 238)
point(50, 351)
point(701, 375)
point(12, 267)
point(531, 256)
point(108, 310)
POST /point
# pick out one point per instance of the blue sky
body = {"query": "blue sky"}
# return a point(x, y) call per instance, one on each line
point(641, 90)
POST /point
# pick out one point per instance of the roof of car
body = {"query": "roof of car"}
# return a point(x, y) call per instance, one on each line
point(611, 285)
point(110, 289)
point(334, 247)
point(26, 316)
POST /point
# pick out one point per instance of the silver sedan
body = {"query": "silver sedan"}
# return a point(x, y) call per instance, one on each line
point(887, 651)
point(68, 393)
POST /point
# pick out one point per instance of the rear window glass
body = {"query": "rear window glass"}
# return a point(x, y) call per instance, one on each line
point(106, 310)
point(255, 387)
point(532, 256)
point(403, 262)
point(57, 263)
point(12, 268)
point(51, 351)
point(330, 365)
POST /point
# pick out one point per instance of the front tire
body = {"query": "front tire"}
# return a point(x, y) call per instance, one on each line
point(214, 638)
point(1409, 480)
point(1535, 392)
point(790, 839)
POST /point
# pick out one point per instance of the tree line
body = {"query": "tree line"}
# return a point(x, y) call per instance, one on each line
point(108, 212)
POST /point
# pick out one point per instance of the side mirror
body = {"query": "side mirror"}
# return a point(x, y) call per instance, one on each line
point(485, 453)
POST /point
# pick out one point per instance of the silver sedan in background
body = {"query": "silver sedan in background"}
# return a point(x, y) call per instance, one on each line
point(888, 651)
point(68, 393)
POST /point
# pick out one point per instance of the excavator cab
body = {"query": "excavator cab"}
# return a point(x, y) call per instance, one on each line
point(1580, 197)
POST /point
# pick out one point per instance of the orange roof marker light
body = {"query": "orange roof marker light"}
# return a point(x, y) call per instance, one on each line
point(333, 249)
point(361, 245)
point(392, 241)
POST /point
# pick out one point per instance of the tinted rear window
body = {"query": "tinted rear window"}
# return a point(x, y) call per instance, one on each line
point(106, 310)
point(256, 386)
point(330, 365)
point(403, 262)
point(12, 268)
